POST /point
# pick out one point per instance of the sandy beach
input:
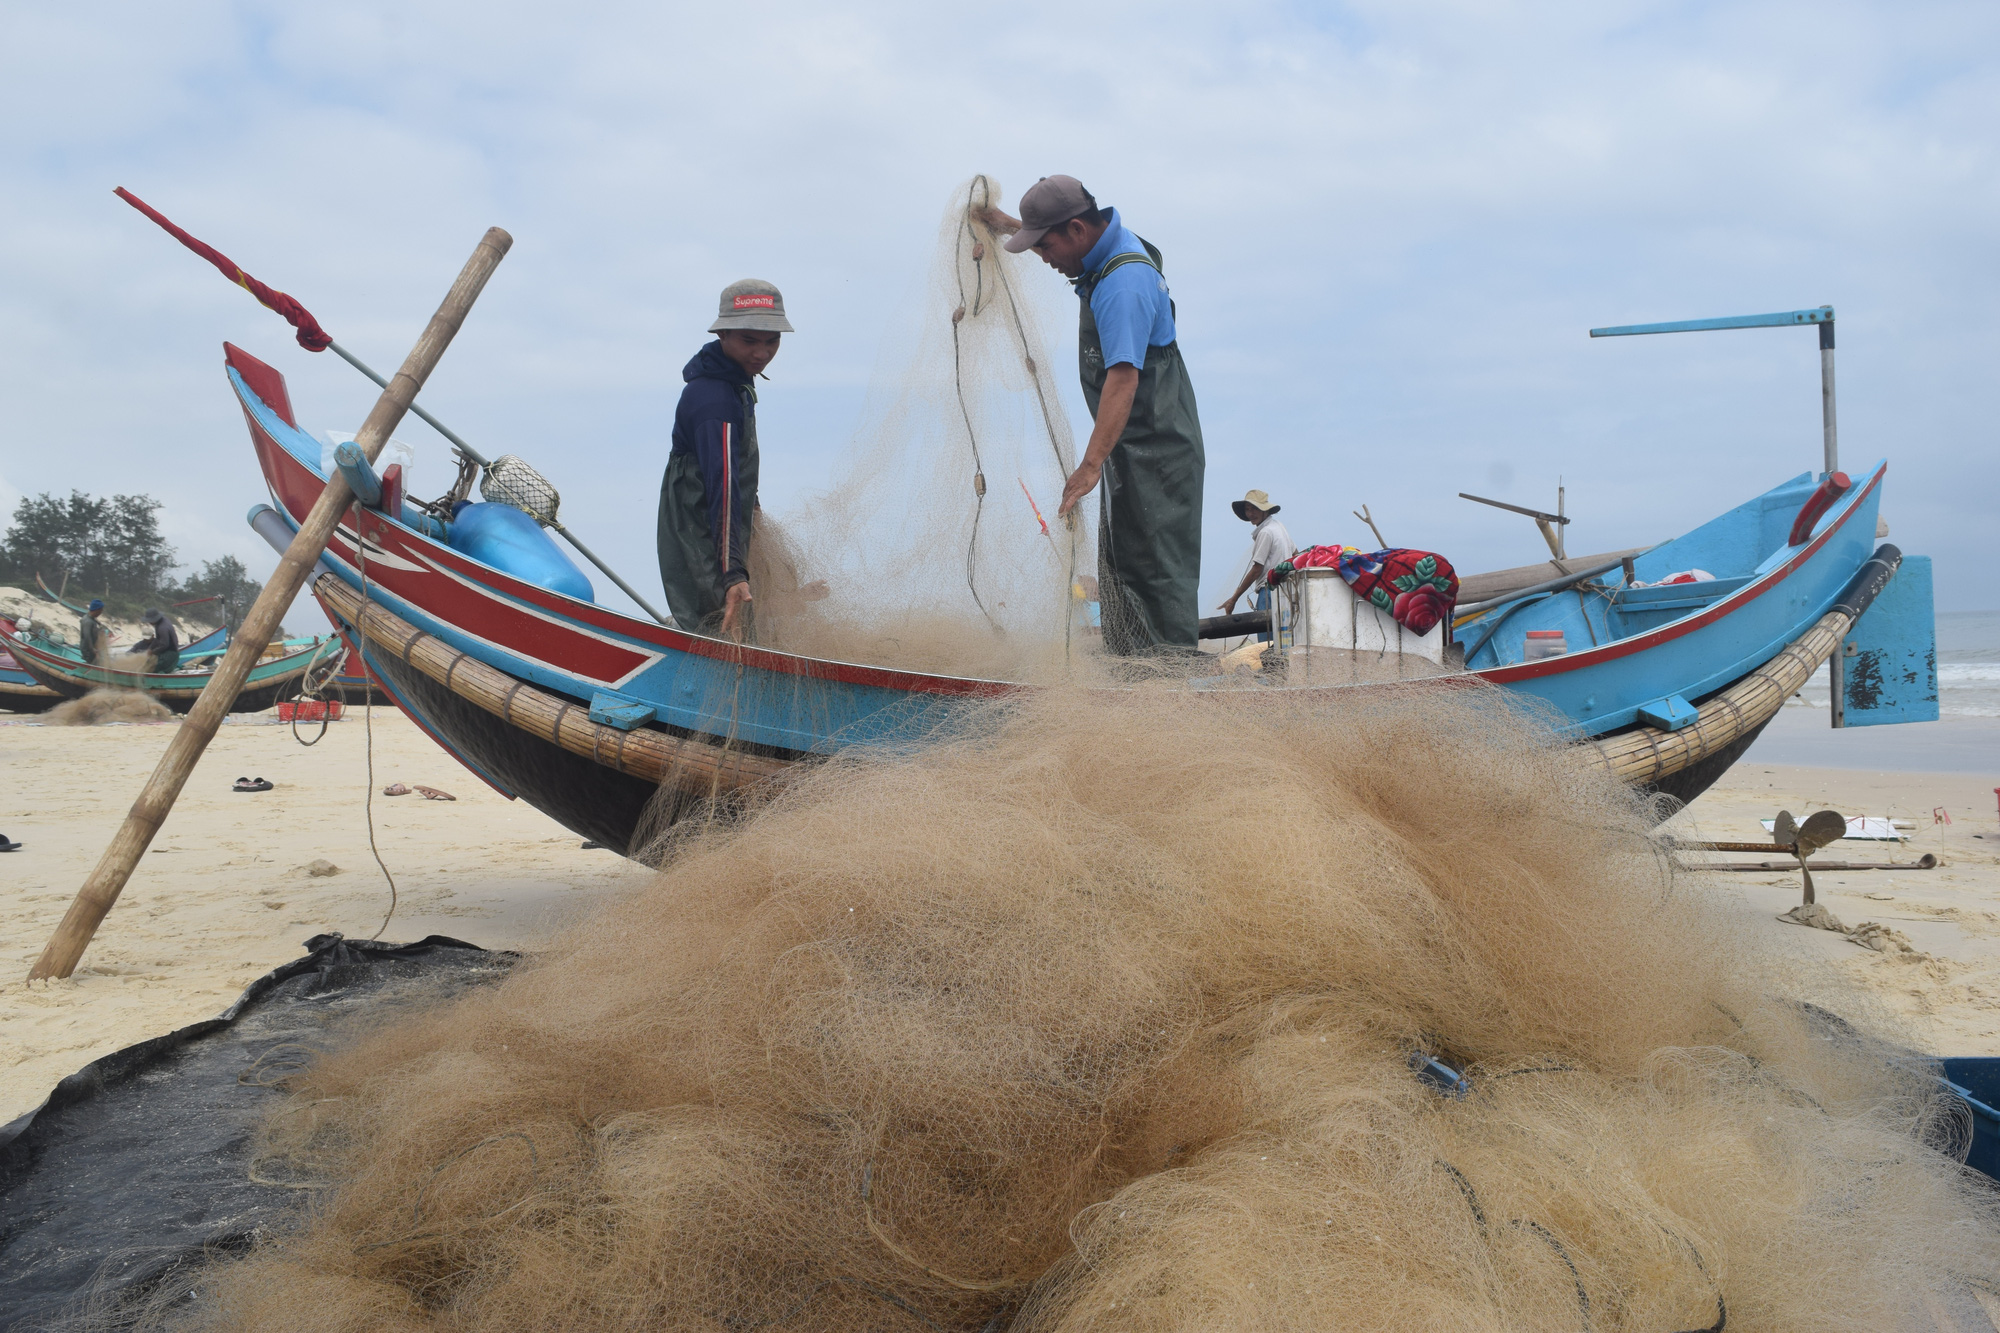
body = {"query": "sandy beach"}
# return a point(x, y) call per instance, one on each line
point(225, 896)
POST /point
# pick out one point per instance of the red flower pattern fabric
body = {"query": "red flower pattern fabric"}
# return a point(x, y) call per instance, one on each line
point(1418, 588)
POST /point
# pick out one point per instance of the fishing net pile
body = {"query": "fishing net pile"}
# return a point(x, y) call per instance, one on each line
point(1103, 1016)
point(938, 548)
point(108, 705)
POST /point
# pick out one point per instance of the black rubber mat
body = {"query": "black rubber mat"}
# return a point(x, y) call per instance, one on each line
point(139, 1163)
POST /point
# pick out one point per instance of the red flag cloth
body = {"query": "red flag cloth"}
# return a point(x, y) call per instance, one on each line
point(311, 336)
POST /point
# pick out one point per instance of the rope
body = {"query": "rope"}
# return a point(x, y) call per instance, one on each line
point(958, 383)
point(310, 690)
point(368, 730)
point(980, 182)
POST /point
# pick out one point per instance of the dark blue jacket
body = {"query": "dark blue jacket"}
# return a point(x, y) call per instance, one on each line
point(716, 422)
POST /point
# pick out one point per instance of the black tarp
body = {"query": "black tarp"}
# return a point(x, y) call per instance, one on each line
point(139, 1164)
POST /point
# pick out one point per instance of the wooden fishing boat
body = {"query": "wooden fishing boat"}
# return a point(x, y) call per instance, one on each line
point(588, 714)
point(58, 668)
point(19, 691)
point(22, 692)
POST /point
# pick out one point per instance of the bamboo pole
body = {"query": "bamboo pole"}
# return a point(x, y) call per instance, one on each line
point(114, 868)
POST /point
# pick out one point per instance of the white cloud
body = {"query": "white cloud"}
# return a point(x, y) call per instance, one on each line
point(1388, 226)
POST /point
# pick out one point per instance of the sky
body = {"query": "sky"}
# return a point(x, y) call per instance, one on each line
point(1388, 226)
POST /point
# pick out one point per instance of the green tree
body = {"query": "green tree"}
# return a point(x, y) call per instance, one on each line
point(226, 579)
point(101, 544)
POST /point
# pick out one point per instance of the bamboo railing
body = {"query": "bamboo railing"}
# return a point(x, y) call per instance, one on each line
point(653, 755)
point(1648, 754)
point(1637, 757)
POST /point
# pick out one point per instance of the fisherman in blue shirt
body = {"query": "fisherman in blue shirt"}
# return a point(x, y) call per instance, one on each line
point(1146, 445)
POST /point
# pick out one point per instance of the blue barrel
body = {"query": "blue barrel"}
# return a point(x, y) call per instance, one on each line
point(507, 539)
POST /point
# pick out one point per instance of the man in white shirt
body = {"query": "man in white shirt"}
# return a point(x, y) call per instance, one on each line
point(1269, 544)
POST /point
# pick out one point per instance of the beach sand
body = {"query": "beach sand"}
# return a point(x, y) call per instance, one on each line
point(223, 897)
point(1952, 913)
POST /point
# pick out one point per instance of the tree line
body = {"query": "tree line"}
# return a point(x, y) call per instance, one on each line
point(111, 547)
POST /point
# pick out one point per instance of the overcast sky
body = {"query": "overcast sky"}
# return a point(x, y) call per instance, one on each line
point(1388, 227)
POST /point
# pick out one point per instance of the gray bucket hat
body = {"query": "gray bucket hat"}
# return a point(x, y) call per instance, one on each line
point(751, 304)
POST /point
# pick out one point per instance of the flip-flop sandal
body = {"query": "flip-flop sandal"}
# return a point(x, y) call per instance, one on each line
point(251, 784)
point(395, 789)
point(433, 794)
point(6, 846)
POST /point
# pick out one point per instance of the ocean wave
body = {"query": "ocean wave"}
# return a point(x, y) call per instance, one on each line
point(1965, 673)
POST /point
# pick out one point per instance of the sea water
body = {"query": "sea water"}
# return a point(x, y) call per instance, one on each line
point(1968, 657)
point(1964, 739)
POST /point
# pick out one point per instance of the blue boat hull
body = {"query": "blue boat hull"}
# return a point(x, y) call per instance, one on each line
point(1630, 648)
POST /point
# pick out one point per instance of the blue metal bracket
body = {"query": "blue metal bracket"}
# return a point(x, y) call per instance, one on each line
point(1820, 315)
point(615, 710)
point(1668, 714)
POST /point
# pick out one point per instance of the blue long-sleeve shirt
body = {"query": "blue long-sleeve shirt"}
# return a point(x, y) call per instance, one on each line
point(716, 422)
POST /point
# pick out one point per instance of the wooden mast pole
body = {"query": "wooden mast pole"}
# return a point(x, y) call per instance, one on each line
point(101, 890)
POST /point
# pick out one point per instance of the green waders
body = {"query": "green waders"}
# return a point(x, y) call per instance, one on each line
point(1149, 502)
point(689, 567)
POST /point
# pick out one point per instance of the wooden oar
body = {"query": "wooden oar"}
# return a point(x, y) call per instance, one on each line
point(101, 890)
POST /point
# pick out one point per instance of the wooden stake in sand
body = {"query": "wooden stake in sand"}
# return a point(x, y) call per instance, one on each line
point(101, 890)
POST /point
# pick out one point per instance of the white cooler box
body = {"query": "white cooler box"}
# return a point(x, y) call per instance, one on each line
point(1327, 614)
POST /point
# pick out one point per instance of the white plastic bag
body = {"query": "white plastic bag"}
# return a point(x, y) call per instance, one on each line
point(395, 451)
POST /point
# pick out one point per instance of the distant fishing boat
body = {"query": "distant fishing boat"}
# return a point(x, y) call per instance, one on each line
point(23, 692)
point(19, 691)
point(60, 669)
point(585, 712)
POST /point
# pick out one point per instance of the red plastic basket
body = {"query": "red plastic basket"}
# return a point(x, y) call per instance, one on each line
point(309, 710)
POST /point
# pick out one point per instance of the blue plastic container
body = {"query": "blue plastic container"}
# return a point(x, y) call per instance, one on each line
point(507, 539)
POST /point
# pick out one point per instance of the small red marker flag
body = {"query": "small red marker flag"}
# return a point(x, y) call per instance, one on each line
point(311, 336)
point(1037, 508)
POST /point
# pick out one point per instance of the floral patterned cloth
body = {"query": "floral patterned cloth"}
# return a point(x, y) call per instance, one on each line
point(1418, 588)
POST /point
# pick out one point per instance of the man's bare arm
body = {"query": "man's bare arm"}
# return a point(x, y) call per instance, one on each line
point(998, 221)
point(1255, 572)
point(1114, 409)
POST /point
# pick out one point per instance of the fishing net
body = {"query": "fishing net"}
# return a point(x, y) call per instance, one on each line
point(938, 548)
point(1107, 1014)
point(510, 480)
point(104, 706)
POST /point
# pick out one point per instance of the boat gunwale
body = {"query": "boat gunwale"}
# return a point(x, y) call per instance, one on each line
point(1694, 620)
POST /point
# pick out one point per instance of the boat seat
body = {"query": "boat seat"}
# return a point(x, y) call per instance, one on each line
point(1674, 596)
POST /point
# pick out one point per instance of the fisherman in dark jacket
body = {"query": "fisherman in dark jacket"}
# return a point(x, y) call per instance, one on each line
point(162, 647)
point(708, 499)
point(90, 637)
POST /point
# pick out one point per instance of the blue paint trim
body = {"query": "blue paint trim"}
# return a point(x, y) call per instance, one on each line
point(1783, 319)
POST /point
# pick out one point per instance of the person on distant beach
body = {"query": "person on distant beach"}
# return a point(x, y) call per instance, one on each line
point(708, 498)
point(1147, 443)
point(1269, 543)
point(90, 638)
point(162, 646)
